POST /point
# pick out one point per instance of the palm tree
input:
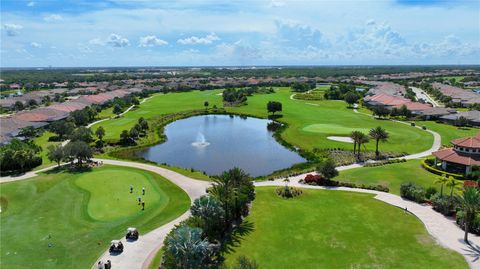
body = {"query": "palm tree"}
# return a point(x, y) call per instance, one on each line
point(470, 201)
point(453, 184)
point(210, 211)
point(442, 180)
point(354, 136)
point(361, 139)
point(379, 134)
point(187, 247)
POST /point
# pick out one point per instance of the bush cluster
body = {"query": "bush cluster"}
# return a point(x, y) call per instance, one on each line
point(412, 191)
point(474, 226)
point(288, 192)
point(321, 181)
point(443, 204)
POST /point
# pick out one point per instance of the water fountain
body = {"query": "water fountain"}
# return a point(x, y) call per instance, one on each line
point(200, 142)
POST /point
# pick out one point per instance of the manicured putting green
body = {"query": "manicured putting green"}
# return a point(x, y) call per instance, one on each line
point(66, 220)
point(332, 129)
point(110, 196)
point(335, 229)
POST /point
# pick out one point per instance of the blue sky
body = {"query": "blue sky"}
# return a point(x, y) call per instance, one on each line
point(268, 32)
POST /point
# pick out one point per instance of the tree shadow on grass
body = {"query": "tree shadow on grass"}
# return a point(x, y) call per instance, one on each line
point(275, 116)
point(71, 169)
point(235, 238)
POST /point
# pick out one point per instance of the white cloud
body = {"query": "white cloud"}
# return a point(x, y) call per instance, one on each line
point(53, 18)
point(151, 41)
point(193, 40)
point(96, 41)
point(113, 40)
point(35, 45)
point(31, 4)
point(293, 34)
point(12, 29)
point(117, 41)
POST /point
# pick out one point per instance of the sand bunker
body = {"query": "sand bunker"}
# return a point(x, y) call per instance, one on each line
point(345, 139)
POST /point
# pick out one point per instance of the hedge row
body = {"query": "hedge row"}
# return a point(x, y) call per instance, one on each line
point(321, 181)
point(439, 172)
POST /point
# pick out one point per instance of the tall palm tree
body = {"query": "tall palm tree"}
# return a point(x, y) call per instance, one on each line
point(442, 180)
point(470, 201)
point(379, 134)
point(361, 139)
point(453, 184)
point(354, 136)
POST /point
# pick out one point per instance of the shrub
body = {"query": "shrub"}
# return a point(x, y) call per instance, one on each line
point(327, 169)
point(412, 191)
point(288, 192)
point(474, 225)
point(412, 124)
point(442, 204)
point(470, 183)
point(430, 192)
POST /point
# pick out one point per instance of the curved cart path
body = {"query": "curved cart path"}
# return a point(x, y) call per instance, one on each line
point(136, 253)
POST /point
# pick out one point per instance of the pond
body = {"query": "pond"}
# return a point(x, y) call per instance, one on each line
point(215, 143)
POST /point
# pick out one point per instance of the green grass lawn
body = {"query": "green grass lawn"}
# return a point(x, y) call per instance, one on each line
point(310, 122)
point(456, 78)
point(157, 105)
point(43, 142)
point(391, 175)
point(78, 214)
point(334, 229)
point(448, 132)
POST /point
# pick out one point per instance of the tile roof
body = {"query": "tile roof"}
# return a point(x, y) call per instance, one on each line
point(450, 155)
point(68, 106)
point(468, 142)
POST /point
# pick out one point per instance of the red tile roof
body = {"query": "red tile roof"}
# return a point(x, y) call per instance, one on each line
point(68, 106)
point(31, 116)
point(415, 106)
point(468, 142)
point(453, 156)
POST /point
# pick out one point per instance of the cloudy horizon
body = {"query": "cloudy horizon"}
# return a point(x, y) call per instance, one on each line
point(212, 33)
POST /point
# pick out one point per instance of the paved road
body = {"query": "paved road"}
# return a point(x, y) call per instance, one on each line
point(423, 95)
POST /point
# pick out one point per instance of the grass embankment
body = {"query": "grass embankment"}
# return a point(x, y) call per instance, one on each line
point(334, 229)
point(391, 175)
point(66, 220)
